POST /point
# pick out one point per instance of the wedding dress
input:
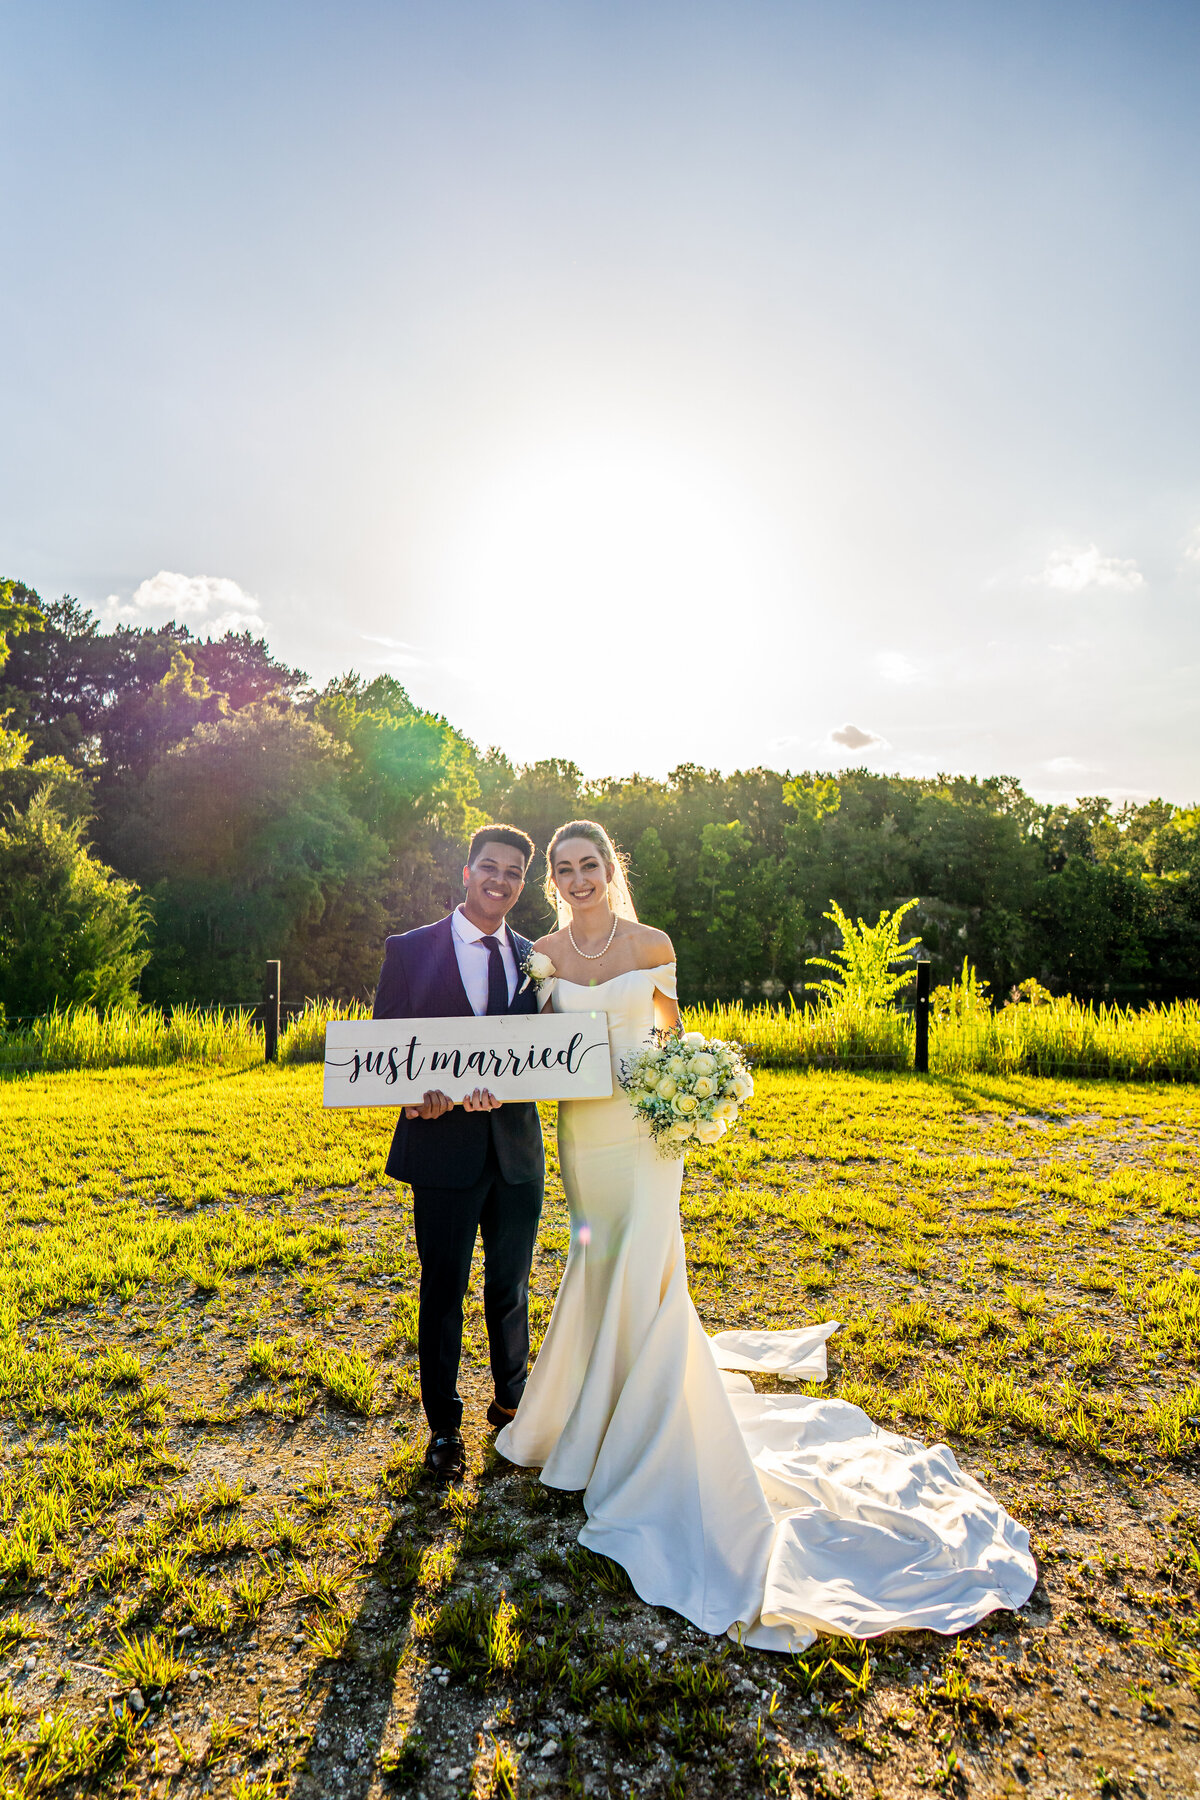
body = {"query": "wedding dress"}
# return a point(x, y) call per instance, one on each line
point(771, 1517)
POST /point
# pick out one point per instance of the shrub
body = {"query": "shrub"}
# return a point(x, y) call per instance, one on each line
point(70, 929)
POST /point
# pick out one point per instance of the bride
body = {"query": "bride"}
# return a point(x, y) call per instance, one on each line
point(771, 1517)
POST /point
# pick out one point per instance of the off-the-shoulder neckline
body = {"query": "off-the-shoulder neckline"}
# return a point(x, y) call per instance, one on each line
point(590, 985)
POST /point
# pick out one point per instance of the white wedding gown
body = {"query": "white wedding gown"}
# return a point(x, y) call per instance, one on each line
point(772, 1517)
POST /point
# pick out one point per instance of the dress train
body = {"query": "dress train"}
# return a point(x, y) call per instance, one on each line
point(770, 1517)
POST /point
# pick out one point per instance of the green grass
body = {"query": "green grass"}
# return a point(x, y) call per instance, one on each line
point(81, 1037)
point(207, 1392)
point(1060, 1037)
point(145, 1663)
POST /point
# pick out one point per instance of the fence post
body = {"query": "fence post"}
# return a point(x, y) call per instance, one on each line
point(271, 1011)
point(921, 1055)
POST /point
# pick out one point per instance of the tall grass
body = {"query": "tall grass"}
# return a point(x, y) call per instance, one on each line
point(1064, 1036)
point(1060, 1037)
point(871, 1036)
point(303, 1039)
point(81, 1037)
point(1159, 1043)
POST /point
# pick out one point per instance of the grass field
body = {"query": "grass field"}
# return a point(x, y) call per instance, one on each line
point(222, 1574)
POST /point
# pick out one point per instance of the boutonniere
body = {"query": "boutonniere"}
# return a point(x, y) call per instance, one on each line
point(536, 967)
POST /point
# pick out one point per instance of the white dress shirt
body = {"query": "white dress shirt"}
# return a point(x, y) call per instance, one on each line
point(473, 954)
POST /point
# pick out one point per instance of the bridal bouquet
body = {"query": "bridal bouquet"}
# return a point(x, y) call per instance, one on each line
point(688, 1088)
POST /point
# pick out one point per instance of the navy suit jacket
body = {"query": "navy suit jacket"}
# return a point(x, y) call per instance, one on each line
point(420, 980)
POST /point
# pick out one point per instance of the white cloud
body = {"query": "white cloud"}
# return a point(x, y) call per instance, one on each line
point(400, 653)
point(1192, 547)
point(893, 666)
point(1070, 765)
point(1074, 571)
point(208, 604)
point(850, 737)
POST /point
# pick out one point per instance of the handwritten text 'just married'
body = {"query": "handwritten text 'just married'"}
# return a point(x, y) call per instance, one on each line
point(396, 1062)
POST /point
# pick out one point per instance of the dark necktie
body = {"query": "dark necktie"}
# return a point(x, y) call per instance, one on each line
point(497, 977)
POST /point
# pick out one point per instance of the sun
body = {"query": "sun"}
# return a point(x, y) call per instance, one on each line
point(634, 559)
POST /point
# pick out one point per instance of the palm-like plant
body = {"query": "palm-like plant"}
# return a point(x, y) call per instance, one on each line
point(862, 972)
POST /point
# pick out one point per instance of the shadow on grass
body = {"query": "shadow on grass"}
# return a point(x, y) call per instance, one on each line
point(358, 1688)
point(983, 1095)
point(377, 1696)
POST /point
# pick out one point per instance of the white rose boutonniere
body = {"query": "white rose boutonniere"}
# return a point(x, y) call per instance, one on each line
point(537, 968)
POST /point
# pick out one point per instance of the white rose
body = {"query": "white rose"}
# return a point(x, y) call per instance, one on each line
point(667, 1087)
point(743, 1087)
point(684, 1104)
point(692, 1040)
point(702, 1087)
point(726, 1111)
point(679, 1134)
point(701, 1064)
point(709, 1130)
point(677, 1066)
point(539, 967)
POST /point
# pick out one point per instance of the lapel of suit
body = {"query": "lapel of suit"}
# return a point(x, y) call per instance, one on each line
point(526, 992)
point(457, 1003)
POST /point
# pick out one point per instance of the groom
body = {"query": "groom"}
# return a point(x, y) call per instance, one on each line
point(478, 1167)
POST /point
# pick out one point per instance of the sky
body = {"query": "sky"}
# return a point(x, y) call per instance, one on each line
point(799, 384)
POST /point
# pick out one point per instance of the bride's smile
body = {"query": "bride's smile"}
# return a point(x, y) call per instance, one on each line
point(581, 875)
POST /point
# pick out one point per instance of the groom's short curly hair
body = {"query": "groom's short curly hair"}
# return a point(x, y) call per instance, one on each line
point(512, 835)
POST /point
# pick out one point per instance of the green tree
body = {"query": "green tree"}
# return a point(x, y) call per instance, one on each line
point(738, 867)
point(66, 787)
point(720, 950)
point(653, 877)
point(413, 781)
point(251, 850)
point(81, 692)
point(70, 929)
point(156, 717)
point(20, 610)
point(1096, 925)
point(406, 769)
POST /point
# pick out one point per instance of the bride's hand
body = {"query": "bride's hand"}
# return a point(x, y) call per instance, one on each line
point(482, 1100)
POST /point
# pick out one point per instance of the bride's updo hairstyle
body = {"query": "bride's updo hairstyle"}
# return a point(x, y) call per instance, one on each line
point(620, 899)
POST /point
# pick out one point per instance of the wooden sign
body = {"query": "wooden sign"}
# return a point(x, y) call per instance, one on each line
point(525, 1056)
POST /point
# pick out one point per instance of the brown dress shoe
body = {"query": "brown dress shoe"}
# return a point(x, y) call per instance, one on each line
point(444, 1456)
point(498, 1415)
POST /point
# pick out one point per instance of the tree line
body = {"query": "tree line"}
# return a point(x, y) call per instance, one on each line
point(175, 810)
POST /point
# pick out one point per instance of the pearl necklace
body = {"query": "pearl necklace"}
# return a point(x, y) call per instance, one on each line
point(593, 955)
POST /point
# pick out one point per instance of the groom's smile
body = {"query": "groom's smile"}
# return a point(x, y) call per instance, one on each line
point(493, 884)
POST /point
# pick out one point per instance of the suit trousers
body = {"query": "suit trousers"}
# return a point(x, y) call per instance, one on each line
point(506, 1215)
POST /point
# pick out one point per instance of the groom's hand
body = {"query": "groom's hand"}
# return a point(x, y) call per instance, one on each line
point(482, 1100)
point(432, 1106)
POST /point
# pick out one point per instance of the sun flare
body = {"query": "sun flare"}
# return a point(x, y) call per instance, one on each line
point(603, 549)
point(582, 533)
